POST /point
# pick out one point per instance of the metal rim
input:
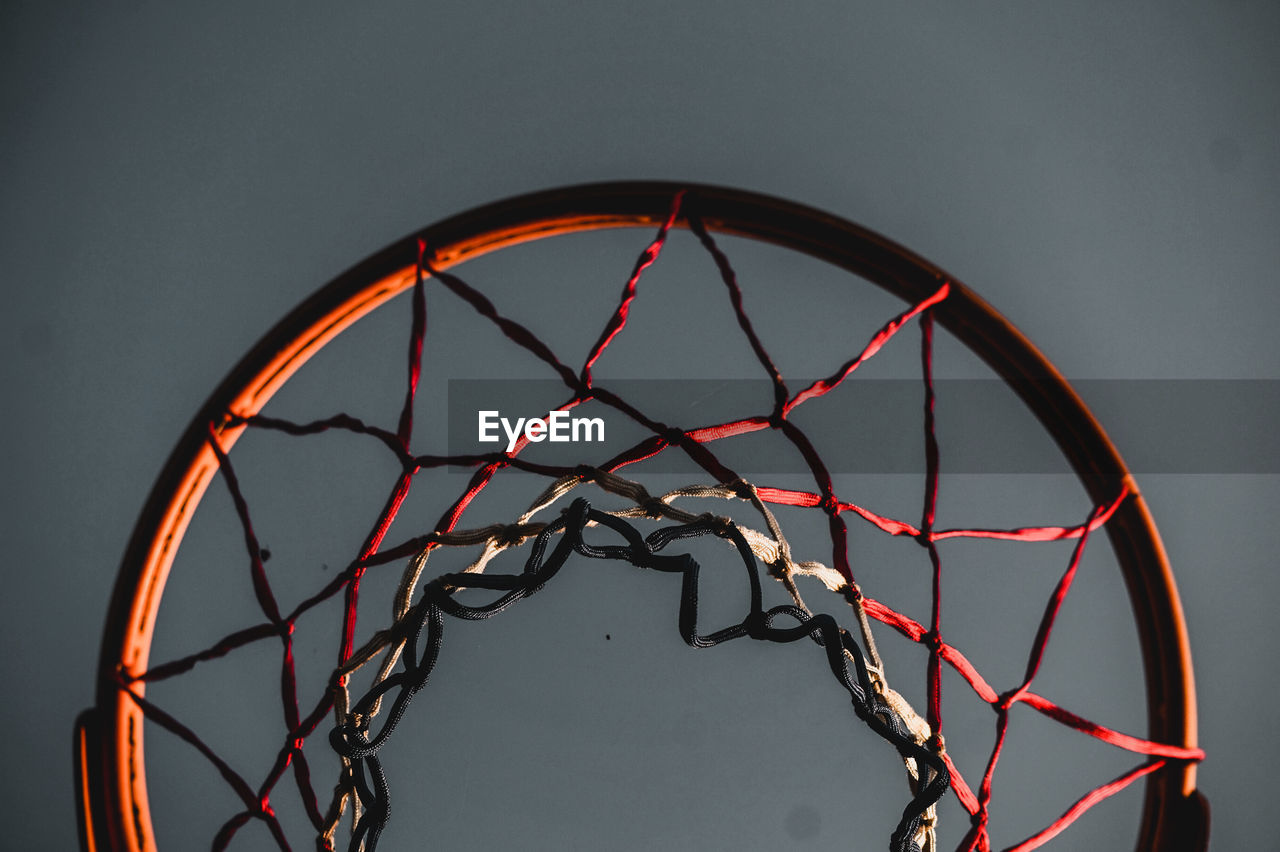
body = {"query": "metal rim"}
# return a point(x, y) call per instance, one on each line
point(111, 778)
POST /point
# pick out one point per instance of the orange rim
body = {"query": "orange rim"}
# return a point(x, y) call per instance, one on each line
point(110, 768)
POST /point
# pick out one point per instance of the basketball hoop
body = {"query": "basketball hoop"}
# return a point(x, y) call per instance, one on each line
point(597, 510)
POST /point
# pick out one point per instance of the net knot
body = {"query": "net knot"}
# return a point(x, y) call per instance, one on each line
point(978, 819)
point(511, 535)
point(830, 505)
point(1007, 699)
point(721, 527)
point(653, 507)
point(932, 641)
point(673, 435)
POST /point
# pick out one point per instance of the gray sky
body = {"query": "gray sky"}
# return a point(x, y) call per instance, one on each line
point(177, 177)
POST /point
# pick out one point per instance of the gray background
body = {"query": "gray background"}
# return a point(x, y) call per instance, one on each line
point(175, 178)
